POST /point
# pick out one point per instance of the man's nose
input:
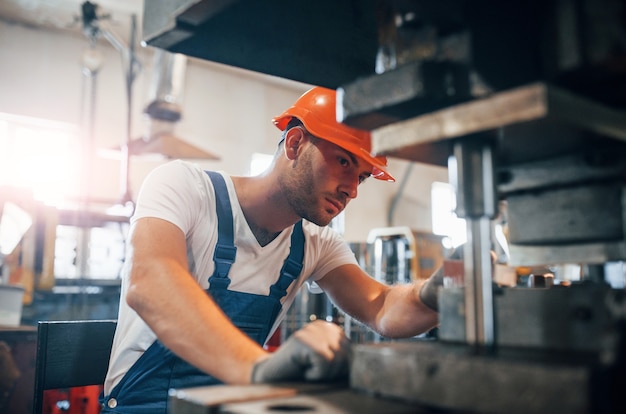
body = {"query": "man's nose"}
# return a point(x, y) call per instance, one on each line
point(350, 187)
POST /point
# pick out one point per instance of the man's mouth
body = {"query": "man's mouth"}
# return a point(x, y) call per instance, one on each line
point(336, 204)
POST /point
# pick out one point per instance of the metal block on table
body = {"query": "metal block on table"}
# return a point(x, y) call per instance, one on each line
point(567, 209)
point(566, 319)
point(459, 378)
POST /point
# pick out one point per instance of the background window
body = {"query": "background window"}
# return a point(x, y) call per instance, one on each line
point(41, 156)
point(445, 222)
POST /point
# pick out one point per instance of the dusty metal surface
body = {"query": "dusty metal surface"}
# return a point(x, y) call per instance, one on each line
point(458, 377)
point(567, 319)
point(585, 213)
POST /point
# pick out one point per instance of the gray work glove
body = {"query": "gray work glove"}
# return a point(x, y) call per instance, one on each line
point(319, 351)
point(430, 289)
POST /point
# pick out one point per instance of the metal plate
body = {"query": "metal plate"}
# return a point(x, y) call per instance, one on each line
point(528, 123)
point(461, 378)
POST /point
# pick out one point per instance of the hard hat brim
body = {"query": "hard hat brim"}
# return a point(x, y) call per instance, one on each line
point(378, 164)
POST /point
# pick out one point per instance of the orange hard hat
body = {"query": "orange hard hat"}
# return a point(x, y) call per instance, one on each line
point(316, 109)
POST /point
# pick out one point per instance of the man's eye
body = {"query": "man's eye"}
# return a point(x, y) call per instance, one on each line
point(344, 162)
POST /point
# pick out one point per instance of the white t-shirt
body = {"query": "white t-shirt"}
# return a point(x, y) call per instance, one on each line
point(182, 193)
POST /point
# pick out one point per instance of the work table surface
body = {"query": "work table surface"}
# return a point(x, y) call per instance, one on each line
point(334, 398)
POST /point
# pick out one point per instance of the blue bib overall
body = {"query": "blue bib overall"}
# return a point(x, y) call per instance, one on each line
point(144, 388)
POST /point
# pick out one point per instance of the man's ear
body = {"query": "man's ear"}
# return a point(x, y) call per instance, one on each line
point(293, 142)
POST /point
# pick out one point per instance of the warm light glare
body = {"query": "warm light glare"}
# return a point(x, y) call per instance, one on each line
point(41, 156)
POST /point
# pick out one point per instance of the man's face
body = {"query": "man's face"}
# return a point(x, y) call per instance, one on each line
point(323, 179)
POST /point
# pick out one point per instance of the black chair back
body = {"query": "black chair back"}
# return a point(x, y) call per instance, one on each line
point(71, 354)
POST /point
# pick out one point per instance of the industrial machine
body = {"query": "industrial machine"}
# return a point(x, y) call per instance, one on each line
point(525, 103)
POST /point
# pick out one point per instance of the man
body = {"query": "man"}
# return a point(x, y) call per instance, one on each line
point(214, 261)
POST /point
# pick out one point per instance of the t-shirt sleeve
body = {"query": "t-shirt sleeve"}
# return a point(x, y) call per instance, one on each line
point(170, 192)
point(330, 252)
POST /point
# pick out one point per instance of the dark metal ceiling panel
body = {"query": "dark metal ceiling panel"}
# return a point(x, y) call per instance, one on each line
point(323, 42)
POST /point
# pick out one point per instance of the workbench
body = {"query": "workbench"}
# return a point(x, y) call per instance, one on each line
point(333, 398)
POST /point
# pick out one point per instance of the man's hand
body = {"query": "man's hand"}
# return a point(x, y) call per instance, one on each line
point(429, 291)
point(319, 351)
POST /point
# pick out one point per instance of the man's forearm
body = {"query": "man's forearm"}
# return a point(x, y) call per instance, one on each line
point(403, 314)
point(186, 320)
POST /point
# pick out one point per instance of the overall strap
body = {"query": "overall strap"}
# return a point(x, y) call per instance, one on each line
point(293, 264)
point(225, 250)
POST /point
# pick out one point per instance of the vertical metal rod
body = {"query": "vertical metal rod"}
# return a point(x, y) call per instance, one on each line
point(378, 269)
point(479, 316)
point(90, 82)
point(472, 171)
point(130, 66)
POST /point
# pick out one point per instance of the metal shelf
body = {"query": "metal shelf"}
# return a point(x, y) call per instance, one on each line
point(532, 122)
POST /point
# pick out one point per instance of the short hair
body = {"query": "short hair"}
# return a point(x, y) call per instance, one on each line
point(293, 122)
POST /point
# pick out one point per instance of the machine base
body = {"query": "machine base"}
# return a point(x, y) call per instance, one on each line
point(462, 378)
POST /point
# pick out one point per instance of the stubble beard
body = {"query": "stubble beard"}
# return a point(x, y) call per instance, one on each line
point(298, 188)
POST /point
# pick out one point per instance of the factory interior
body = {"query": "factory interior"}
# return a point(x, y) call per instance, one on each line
point(504, 125)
